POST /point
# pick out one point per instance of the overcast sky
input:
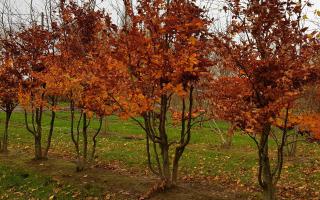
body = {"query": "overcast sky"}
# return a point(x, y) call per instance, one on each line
point(22, 8)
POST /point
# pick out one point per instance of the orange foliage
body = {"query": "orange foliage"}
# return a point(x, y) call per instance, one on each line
point(9, 84)
point(311, 123)
point(166, 50)
point(268, 71)
point(308, 123)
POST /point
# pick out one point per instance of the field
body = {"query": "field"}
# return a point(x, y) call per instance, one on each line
point(120, 171)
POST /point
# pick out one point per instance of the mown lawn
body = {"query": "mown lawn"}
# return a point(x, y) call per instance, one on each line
point(121, 148)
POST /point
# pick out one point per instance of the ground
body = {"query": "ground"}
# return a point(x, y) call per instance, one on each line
point(120, 170)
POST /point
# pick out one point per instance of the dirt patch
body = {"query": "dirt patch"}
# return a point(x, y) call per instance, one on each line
point(111, 184)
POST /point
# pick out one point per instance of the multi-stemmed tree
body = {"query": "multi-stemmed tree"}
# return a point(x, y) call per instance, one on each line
point(87, 71)
point(270, 55)
point(35, 44)
point(164, 46)
point(10, 79)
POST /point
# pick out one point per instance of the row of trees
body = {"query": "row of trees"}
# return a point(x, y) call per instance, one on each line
point(164, 50)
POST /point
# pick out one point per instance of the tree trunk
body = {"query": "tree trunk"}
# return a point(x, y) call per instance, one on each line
point(82, 158)
point(4, 147)
point(164, 146)
point(292, 143)
point(37, 146)
point(294, 148)
point(175, 167)
point(85, 137)
point(166, 165)
point(94, 140)
point(53, 116)
point(74, 139)
point(175, 170)
point(265, 175)
point(185, 136)
point(159, 139)
point(81, 164)
point(269, 192)
point(229, 136)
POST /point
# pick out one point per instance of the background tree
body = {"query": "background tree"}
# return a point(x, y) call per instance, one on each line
point(10, 74)
point(10, 79)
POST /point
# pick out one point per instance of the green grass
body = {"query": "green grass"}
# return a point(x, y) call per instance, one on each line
point(21, 184)
point(202, 157)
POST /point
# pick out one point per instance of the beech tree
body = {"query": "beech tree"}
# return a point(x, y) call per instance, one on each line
point(164, 47)
point(270, 54)
point(87, 72)
point(36, 45)
point(10, 79)
point(9, 73)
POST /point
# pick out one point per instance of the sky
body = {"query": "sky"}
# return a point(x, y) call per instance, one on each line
point(21, 9)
